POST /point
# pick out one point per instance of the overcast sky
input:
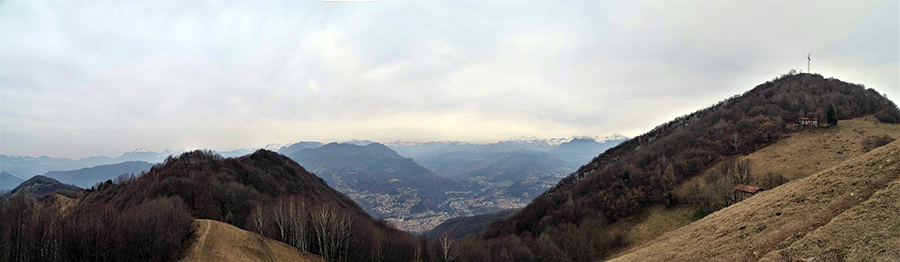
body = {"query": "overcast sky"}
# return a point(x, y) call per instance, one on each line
point(104, 77)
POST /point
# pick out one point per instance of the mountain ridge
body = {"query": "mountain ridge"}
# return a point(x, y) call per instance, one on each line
point(88, 176)
point(642, 171)
point(9, 181)
point(376, 169)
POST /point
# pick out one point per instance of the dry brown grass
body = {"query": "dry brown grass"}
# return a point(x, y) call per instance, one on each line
point(810, 151)
point(793, 221)
point(655, 222)
point(798, 156)
point(217, 241)
point(866, 232)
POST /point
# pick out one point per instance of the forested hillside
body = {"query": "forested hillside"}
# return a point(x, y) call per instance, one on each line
point(147, 218)
point(643, 171)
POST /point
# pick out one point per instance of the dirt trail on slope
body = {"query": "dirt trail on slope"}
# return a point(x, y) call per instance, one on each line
point(201, 239)
point(800, 220)
point(217, 241)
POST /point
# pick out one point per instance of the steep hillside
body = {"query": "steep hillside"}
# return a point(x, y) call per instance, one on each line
point(217, 241)
point(9, 181)
point(89, 176)
point(796, 156)
point(846, 212)
point(642, 172)
point(39, 185)
point(383, 182)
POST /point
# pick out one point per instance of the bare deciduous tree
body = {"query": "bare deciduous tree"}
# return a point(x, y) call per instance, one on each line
point(280, 215)
point(321, 221)
point(735, 141)
point(448, 252)
point(259, 219)
point(298, 226)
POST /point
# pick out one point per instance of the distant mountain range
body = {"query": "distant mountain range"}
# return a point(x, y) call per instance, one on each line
point(419, 150)
point(515, 174)
point(398, 180)
point(293, 148)
point(581, 150)
point(444, 179)
point(28, 166)
point(87, 177)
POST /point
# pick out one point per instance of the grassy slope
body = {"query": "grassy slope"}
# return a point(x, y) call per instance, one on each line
point(867, 232)
point(798, 156)
point(849, 210)
point(806, 153)
point(218, 241)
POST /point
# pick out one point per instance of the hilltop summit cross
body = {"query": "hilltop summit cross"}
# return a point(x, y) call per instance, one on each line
point(807, 63)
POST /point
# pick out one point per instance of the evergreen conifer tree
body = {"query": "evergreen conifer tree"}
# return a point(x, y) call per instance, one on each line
point(832, 116)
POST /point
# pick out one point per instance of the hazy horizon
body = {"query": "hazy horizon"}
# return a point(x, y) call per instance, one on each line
point(84, 79)
point(255, 147)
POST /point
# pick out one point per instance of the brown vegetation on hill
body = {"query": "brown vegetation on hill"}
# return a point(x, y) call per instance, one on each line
point(797, 156)
point(846, 212)
point(813, 150)
point(642, 172)
point(51, 228)
point(217, 241)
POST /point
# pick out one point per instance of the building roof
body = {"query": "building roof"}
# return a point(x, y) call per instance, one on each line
point(747, 188)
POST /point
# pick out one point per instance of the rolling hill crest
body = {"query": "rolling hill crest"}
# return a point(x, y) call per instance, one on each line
point(225, 189)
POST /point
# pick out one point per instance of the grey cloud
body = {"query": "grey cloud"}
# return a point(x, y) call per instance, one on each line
point(243, 74)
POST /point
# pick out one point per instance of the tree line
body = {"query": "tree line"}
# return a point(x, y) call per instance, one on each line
point(45, 229)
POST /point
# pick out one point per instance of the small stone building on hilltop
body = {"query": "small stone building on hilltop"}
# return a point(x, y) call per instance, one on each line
point(809, 122)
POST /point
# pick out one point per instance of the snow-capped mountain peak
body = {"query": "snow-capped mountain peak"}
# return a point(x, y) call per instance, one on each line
point(273, 147)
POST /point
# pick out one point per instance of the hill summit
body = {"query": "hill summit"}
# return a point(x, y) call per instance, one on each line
point(225, 189)
point(39, 185)
point(642, 172)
